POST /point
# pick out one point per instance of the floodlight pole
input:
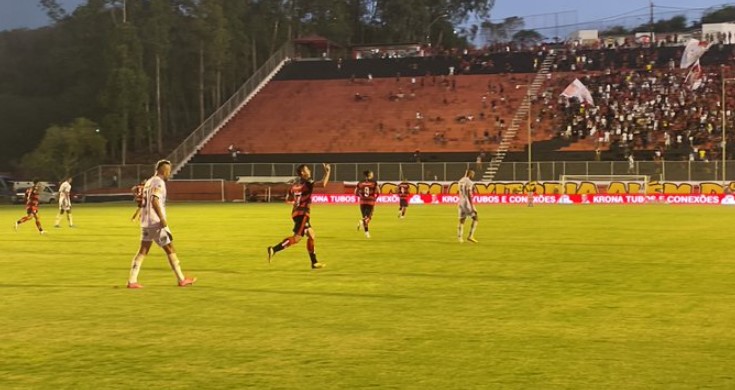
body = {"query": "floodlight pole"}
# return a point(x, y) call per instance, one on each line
point(530, 141)
point(428, 28)
point(724, 132)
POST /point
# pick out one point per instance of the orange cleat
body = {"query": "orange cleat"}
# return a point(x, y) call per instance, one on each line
point(134, 285)
point(187, 282)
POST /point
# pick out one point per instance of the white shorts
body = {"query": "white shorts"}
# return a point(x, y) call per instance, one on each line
point(466, 211)
point(65, 205)
point(155, 235)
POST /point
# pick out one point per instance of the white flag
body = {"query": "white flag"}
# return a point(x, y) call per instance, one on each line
point(693, 51)
point(578, 90)
point(695, 77)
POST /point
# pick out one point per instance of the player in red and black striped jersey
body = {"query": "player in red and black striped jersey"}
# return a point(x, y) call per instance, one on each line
point(403, 195)
point(32, 207)
point(367, 190)
point(139, 198)
point(301, 192)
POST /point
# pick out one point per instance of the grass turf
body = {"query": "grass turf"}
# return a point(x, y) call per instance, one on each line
point(552, 297)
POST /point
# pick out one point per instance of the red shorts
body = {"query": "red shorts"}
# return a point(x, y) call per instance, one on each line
point(32, 210)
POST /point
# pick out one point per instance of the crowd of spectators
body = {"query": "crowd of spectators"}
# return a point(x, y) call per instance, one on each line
point(654, 109)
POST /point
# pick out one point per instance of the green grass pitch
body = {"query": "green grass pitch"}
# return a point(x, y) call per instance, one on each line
point(588, 297)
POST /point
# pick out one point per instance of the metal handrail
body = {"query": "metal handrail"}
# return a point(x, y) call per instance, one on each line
point(181, 154)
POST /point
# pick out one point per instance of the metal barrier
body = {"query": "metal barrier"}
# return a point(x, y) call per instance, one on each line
point(125, 176)
point(112, 176)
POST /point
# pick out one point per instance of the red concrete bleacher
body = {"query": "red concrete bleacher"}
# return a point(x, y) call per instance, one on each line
point(308, 116)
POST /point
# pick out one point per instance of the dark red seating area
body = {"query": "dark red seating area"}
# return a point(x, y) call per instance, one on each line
point(432, 114)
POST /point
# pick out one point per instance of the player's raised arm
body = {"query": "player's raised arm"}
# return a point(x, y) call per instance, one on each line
point(327, 171)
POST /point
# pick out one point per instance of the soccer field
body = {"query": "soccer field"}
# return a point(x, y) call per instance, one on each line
point(613, 297)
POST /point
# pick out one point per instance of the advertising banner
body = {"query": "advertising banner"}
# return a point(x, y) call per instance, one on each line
point(579, 199)
point(569, 188)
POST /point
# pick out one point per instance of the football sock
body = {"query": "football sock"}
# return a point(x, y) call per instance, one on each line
point(310, 244)
point(58, 218)
point(68, 218)
point(38, 225)
point(472, 228)
point(365, 222)
point(24, 219)
point(135, 268)
point(283, 244)
point(460, 229)
point(174, 261)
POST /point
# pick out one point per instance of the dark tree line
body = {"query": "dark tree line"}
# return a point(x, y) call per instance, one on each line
point(149, 71)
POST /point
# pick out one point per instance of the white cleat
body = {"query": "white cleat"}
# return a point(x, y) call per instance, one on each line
point(42, 232)
point(460, 240)
point(367, 234)
point(16, 226)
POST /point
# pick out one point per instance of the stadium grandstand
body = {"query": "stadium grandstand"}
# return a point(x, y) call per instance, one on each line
point(409, 106)
point(453, 106)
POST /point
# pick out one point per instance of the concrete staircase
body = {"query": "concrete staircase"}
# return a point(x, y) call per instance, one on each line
point(519, 118)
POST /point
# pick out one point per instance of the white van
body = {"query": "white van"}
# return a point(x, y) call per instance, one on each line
point(46, 195)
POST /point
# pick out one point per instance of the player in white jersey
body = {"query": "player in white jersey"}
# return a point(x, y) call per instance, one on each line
point(154, 226)
point(466, 208)
point(64, 203)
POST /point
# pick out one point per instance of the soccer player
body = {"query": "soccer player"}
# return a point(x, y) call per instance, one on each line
point(466, 208)
point(32, 207)
point(403, 196)
point(301, 192)
point(138, 196)
point(154, 227)
point(64, 203)
point(367, 190)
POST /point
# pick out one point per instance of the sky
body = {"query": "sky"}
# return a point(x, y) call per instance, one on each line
point(27, 13)
point(589, 9)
